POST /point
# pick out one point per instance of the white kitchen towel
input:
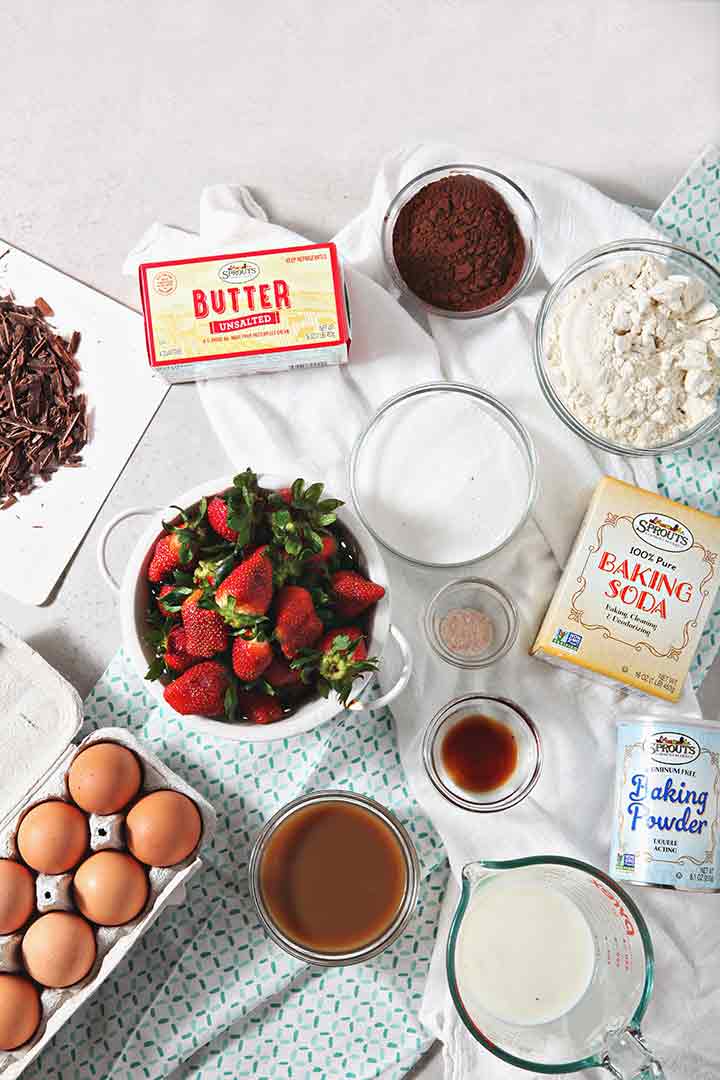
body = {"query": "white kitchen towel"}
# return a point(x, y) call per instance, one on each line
point(308, 421)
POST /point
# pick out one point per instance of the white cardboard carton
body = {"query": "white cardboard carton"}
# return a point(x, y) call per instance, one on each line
point(41, 714)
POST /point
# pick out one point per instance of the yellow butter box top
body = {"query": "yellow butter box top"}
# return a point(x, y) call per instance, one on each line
point(244, 305)
point(637, 590)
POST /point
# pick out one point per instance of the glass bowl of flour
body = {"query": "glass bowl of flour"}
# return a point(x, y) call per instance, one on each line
point(627, 347)
point(443, 475)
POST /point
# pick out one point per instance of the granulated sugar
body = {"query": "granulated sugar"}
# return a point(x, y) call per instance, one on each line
point(441, 480)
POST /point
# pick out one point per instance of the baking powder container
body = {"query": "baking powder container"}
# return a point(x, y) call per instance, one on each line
point(666, 824)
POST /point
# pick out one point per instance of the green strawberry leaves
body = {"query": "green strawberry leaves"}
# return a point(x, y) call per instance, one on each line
point(240, 620)
point(231, 701)
point(244, 505)
point(297, 528)
point(156, 670)
point(175, 599)
point(334, 669)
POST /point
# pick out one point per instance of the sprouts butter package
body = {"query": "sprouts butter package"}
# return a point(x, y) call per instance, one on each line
point(636, 592)
point(221, 315)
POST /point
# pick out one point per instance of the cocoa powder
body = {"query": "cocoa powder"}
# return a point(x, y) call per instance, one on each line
point(457, 244)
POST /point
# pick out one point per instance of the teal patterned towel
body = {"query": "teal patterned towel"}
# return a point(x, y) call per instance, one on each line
point(691, 217)
point(205, 993)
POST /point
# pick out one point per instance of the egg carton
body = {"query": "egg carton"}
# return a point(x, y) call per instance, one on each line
point(54, 891)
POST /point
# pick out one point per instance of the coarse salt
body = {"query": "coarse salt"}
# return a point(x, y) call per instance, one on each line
point(466, 631)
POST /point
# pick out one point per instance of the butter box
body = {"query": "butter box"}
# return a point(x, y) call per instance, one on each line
point(236, 314)
point(636, 592)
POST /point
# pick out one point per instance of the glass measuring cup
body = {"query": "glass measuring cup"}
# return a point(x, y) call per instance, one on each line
point(601, 1027)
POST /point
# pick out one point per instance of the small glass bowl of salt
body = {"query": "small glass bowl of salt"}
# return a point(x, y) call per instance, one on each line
point(471, 622)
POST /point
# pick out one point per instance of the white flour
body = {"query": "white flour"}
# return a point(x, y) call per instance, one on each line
point(441, 480)
point(634, 354)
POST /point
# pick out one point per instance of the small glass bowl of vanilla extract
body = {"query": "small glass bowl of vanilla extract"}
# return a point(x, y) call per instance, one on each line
point(482, 753)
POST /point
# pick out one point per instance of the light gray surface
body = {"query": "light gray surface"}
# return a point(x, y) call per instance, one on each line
point(117, 115)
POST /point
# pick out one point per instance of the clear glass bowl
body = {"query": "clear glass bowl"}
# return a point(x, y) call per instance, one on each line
point(522, 210)
point(529, 760)
point(679, 261)
point(474, 594)
point(407, 907)
point(404, 438)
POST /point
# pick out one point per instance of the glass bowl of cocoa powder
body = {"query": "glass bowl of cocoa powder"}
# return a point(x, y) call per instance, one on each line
point(461, 240)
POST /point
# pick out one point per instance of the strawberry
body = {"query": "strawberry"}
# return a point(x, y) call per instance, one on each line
point(280, 675)
point(178, 548)
point(297, 625)
point(161, 608)
point(354, 593)
point(210, 572)
point(217, 514)
point(286, 495)
point(177, 657)
point(354, 633)
point(250, 656)
point(172, 552)
point(247, 590)
point(259, 708)
point(340, 658)
point(200, 690)
point(329, 551)
point(206, 633)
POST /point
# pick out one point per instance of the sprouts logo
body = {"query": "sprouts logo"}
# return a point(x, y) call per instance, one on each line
point(672, 748)
point(662, 532)
point(238, 272)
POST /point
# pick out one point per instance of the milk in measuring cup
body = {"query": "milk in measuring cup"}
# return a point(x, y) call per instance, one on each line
point(525, 952)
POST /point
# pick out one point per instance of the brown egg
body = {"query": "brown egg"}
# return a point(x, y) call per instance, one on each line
point(104, 778)
point(20, 1011)
point(17, 895)
point(163, 828)
point(59, 949)
point(110, 888)
point(53, 837)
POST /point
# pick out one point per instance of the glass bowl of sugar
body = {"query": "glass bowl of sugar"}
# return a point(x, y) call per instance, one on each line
point(443, 475)
point(471, 623)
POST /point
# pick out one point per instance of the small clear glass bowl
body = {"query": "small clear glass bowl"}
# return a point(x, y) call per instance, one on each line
point(522, 209)
point(529, 761)
point(391, 932)
point(678, 260)
point(474, 594)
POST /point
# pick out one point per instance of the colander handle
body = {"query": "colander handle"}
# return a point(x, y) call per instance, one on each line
point(401, 682)
point(105, 571)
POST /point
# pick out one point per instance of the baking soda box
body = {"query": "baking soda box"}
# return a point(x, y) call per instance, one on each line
point(223, 315)
point(636, 592)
